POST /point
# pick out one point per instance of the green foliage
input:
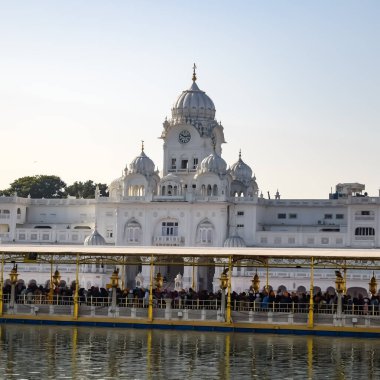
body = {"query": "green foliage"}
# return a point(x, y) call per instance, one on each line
point(38, 186)
point(103, 189)
point(86, 189)
point(50, 186)
point(81, 189)
point(5, 193)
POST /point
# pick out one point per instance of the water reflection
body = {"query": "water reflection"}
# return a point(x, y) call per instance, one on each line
point(50, 352)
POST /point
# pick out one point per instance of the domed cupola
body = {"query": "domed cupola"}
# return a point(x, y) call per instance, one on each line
point(240, 171)
point(116, 183)
point(213, 163)
point(95, 238)
point(116, 187)
point(142, 164)
point(234, 242)
point(193, 104)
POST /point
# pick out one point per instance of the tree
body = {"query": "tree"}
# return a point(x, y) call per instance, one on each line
point(5, 193)
point(38, 186)
point(51, 186)
point(86, 189)
point(103, 188)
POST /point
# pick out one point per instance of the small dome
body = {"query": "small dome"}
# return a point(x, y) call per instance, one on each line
point(193, 103)
point(240, 171)
point(142, 164)
point(115, 184)
point(234, 242)
point(214, 164)
point(95, 239)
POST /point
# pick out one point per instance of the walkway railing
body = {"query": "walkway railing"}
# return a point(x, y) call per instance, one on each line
point(181, 304)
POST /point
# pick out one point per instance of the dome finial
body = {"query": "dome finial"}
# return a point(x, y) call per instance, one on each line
point(194, 73)
point(239, 154)
point(142, 145)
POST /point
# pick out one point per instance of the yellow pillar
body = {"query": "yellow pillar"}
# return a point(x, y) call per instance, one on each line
point(150, 306)
point(1, 283)
point(193, 276)
point(123, 275)
point(267, 283)
point(345, 278)
point(311, 303)
point(51, 291)
point(76, 294)
point(228, 312)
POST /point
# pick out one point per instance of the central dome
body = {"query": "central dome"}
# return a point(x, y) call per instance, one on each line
point(193, 103)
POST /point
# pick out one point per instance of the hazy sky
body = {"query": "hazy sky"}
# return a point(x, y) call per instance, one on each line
point(295, 84)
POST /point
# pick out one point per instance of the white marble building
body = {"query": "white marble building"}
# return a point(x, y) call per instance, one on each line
point(196, 199)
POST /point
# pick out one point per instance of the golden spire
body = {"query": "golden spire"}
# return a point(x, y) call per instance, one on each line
point(194, 73)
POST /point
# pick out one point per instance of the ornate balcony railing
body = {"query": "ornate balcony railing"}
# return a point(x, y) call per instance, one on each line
point(169, 240)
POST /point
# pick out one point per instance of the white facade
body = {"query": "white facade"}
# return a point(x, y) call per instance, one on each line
point(195, 200)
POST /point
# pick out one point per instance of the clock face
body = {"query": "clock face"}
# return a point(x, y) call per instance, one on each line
point(184, 137)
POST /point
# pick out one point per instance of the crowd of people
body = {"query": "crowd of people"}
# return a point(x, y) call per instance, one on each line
point(280, 300)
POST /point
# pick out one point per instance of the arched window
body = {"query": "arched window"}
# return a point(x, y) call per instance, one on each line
point(205, 233)
point(215, 190)
point(209, 190)
point(364, 231)
point(133, 232)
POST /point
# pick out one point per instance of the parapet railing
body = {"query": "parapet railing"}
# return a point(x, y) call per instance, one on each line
point(197, 304)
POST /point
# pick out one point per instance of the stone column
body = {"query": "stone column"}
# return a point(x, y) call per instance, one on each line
point(190, 273)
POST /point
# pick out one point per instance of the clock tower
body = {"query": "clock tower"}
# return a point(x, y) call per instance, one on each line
point(191, 134)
